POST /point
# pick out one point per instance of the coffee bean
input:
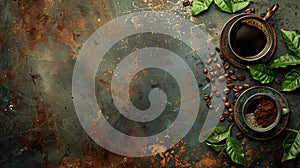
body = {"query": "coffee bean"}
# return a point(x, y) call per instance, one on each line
point(230, 110)
point(211, 95)
point(186, 3)
point(215, 60)
point(218, 94)
point(222, 71)
point(226, 66)
point(241, 88)
point(225, 99)
point(230, 119)
point(231, 71)
point(227, 75)
point(246, 86)
point(208, 79)
point(219, 66)
point(233, 77)
point(227, 105)
point(237, 94)
point(215, 67)
point(206, 97)
point(252, 10)
point(210, 68)
point(235, 89)
point(239, 135)
point(205, 71)
point(217, 73)
point(226, 114)
point(222, 118)
point(208, 102)
point(211, 106)
point(208, 62)
point(221, 78)
point(278, 81)
point(248, 10)
point(212, 74)
point(213, 80)
point(217, 49)
point(212, 54)
point(230, 85)
point(214, 88)
point(226, 90)
point(228, 80)
point(241, 77)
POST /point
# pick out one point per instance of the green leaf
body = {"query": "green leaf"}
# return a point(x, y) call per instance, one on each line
point(235, 150)
point(291, 146)
point(262, 73)
point(292, 80)
point(200, 5)
point(232, 6)
point(216, 147)
point(219, 134)
point(292, 39)
point(285, 61)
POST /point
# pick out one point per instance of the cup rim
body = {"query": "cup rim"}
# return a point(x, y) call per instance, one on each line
point(264, 51)
point(271, 126)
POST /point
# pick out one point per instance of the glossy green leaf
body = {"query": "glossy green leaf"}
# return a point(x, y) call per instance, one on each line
point(200, 5)
point(216, 147)
point(262, 73)
point(291, 146)
point(235, 150)
point(292, 80)
point(232, 6)
point(219, 134)
point(292, 39)
point(285, 61)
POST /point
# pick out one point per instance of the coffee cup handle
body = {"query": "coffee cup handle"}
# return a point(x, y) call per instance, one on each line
point(285, 111)
point(270, 12)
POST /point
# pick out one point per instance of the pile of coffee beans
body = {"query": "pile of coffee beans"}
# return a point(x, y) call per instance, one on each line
point(223, 73)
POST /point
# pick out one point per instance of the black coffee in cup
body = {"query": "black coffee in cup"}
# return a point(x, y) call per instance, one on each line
point(248, 40)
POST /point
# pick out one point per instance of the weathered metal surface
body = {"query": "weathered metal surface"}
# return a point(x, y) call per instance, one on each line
point(40, 41)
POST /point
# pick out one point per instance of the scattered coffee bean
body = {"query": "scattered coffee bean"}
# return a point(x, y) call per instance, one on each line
point(235, 89)
point(213, 80)
point(228, 80)
point(227, 75)
point(241, 77)
point(186, 3)
point(214, 88)
point(231, 72)
point(212, 54)
point(208, 102)
point(212, 74)
point(211, 95)
point(230, 85)
point(206, 97)
point(278, 81)
point(230, 119)
point(237, 94)
point(227, 105)
point(210, 68)
point(248, 10)
point(218, 94)
point(230, 110)
point(226, 90)
point(241, 88)
point(221, 78)
point(226, 66)
point(252, 10)
point(222, 118)
point(208, 62)
point(233, 77)
point(225, 99)
point(208, 79)
point(217, 49)
point(239, 135)
point(219, 66)
point(215, 67)
point(226, 114)
point(211, 106)
point(217, 73)
point(205, 71)
point(246, 86)
point(215, 60)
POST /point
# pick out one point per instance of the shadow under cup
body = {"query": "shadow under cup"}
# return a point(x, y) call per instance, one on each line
point(250, 38)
